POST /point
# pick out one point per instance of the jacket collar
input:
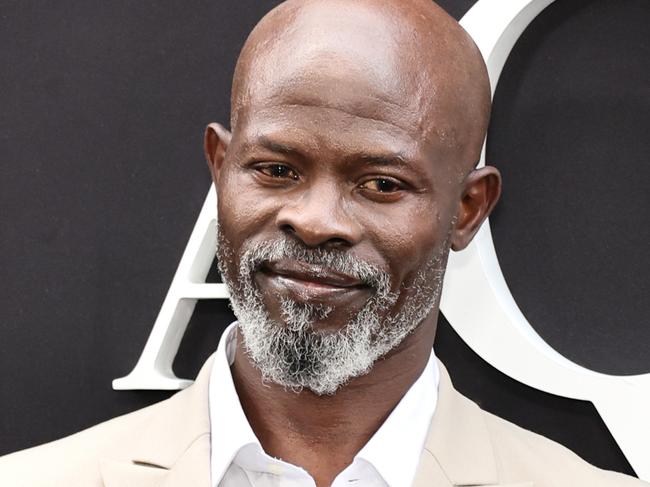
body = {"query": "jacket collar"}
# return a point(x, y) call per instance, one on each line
point(458, 450)
point(173, 448)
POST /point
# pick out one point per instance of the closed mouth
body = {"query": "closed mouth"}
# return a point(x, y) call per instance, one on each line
point(311, 275)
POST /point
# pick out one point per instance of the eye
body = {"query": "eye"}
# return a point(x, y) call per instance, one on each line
point(382, 185)
point(277, 171)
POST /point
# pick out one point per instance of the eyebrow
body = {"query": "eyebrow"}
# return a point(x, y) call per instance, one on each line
point(382, 160)
point(376, 160)
point(392, 160)
point(278, 147)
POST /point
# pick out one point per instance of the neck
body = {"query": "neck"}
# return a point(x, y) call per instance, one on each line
point(322, 434)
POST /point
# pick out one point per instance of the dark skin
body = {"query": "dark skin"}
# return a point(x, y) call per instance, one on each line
point(356, 126)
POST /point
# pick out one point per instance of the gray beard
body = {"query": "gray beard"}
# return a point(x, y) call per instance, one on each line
point(294, 354)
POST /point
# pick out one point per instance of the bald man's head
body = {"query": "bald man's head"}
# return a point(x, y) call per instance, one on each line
point(348, 177)
point(369, 57)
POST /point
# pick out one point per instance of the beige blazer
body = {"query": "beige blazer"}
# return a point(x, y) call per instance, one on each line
point(168, 445)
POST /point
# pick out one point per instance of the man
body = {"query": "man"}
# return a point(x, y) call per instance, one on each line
point(349, 174)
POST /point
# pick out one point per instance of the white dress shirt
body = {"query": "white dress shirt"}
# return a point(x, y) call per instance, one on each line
point(389, 459)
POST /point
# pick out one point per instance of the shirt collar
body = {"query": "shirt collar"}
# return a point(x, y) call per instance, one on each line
point(394, 450)
point(228, 422)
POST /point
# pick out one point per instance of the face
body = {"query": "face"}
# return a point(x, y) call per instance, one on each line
point(336, 212)
point(334, 229)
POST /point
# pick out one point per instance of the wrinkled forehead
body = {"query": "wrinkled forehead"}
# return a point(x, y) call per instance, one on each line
point(369, 63)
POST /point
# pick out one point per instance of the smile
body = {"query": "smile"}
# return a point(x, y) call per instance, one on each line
point(310, 283)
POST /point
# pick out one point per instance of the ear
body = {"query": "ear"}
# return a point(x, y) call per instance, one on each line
point(481, 191)
point(215, 144)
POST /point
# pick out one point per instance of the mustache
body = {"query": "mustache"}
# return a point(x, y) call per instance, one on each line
point(258, 254)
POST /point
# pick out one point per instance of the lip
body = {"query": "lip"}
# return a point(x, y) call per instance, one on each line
point(310, 283)
point(311, 275)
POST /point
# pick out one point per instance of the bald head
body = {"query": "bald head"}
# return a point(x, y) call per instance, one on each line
point(376, 59)
point(355, 128)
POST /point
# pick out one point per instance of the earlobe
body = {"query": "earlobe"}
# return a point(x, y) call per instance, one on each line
point(215, 145)
point(482, 188)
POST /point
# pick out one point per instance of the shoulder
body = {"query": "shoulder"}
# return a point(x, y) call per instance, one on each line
point(521, 453)
point(470, 443)
point(74, 460)
point(156, 435)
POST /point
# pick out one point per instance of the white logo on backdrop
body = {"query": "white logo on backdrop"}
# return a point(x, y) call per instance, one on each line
point(493, 326)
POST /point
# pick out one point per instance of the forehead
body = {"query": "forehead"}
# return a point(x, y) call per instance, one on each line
point(328, 118)
point(315, 131)
point(337, 61)
point(339, 107)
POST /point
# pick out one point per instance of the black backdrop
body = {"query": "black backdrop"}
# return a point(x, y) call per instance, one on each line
point(102, 109)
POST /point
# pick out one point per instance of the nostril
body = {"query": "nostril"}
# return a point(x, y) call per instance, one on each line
point(337, 242)
point(286, 228)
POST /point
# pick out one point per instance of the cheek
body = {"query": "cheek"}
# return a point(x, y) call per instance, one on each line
point(407, 239)
point(242, 211)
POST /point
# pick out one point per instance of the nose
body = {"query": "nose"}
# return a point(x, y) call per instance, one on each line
point(319, 217)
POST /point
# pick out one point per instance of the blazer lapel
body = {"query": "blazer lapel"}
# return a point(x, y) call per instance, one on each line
point(192, 468)
point(430, 473)
point(121, 474)
point(173, 449)
point(458, 449)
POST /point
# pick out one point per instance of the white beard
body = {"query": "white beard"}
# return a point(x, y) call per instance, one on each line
point(294, 354)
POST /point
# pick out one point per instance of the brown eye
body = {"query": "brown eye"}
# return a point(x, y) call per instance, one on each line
point(382, 185)
point(278, 171)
